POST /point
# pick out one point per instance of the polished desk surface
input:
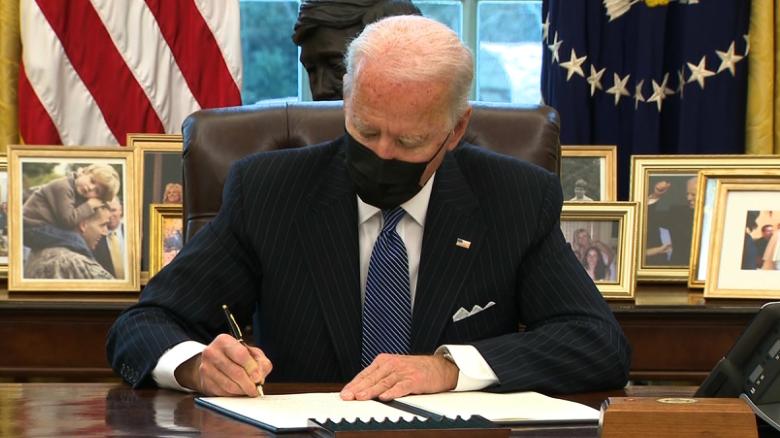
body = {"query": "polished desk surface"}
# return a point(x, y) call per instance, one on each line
point(107, 409)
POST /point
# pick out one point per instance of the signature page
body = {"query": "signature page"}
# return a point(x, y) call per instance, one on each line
point(292, 411)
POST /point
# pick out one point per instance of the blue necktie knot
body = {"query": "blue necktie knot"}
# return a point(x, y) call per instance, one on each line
point(392, 217)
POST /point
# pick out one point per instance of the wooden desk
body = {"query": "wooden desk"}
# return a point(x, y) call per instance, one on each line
point(104, 409)
point(674, 334)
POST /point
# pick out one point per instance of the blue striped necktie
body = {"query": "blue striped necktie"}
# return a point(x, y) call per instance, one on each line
point(387, 308)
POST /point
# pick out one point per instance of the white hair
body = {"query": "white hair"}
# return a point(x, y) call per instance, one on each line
point(414, 49)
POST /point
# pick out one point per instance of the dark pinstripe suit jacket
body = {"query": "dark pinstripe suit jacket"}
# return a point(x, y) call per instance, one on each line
point(285, 243)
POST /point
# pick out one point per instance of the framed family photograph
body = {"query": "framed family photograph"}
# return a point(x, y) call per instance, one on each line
point(159, 181)
point(743, 264)
point(702, 223)
point(666, 188)
point(589, 173)
point(166, 238)
point(603, 238)
point(77, 229)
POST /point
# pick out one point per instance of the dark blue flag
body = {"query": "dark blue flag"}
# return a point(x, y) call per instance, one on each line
point(652, 76)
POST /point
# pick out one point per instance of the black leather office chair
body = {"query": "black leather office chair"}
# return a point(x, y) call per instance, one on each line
point(215, 138)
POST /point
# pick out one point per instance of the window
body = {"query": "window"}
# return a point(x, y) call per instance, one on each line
point(270, 58)
point(505, 36)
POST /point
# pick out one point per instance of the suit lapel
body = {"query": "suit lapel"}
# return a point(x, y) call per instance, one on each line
point(330, 235)
point(444, 266)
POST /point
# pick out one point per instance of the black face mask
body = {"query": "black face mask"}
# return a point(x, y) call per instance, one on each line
point(384, 183)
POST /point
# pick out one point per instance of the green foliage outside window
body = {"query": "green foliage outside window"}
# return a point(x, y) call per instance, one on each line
point(270, 58)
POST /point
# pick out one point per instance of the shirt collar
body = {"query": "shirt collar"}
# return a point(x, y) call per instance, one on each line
point(417, 207)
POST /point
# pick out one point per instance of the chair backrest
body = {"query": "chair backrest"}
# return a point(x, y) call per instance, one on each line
point(215, 138)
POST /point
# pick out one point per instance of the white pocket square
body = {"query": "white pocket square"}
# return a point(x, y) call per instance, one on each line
point(463, 313)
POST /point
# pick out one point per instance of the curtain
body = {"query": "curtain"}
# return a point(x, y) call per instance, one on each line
point(652, 77)
point(9, 65)
point(762, 133)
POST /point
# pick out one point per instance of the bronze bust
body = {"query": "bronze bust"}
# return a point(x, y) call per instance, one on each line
point(324, 28)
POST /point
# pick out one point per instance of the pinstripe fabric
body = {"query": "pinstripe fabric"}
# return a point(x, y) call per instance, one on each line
point(387, 308)
point(285, 244)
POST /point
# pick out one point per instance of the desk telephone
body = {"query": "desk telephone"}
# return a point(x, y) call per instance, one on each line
point(751, 369)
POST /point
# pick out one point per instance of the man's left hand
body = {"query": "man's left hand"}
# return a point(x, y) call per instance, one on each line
point(391, 376)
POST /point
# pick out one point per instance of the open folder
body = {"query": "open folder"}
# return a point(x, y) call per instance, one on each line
point(291, 412)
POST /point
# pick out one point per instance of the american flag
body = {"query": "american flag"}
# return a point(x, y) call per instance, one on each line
point(93, 71)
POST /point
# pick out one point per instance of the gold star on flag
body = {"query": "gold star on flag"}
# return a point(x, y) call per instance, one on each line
point(728, 59)
point(660, 92)
point(618, 87)
point(595, 79)
point(638, 94)
point(681, 81)
point(554, 48)
point(574, 65)
point(699, 72)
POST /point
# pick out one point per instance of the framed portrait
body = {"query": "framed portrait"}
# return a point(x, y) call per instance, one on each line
point(166, 237)
point(159, 181)
point(703, 217)
point(739, 265)
point(78, 229)
point(589, 173)
point(603, 238)
point(666, 188)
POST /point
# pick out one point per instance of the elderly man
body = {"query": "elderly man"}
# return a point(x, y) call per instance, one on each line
point(324, 28)
point(73, 257)
point(396, 258)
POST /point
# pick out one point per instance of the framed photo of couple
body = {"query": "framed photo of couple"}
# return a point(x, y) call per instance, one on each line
point(78, 228)
point(745, 254)
point(603, 238)
point(589, 173)
point(704, 213)
point(666, 187)
point(160, 182)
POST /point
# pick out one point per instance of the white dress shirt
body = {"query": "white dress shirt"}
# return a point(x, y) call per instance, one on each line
point(474, 374)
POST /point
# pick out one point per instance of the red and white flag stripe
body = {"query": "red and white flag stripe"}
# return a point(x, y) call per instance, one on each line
point(93, 71)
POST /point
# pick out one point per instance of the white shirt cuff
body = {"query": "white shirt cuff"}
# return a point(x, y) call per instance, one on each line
point(163, 373)
point(474, 372)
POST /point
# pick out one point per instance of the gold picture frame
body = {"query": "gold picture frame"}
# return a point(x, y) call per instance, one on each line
point(4, 222)
point(39, 264)
point(577, 166)
point(732, 271)
point(703, 217)
point(156, 155)
point(661, 262)
point(166, 220)
point(611, 226)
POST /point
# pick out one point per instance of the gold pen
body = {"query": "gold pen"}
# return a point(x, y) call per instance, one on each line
point(235, 330)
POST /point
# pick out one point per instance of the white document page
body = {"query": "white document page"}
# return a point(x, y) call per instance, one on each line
point(518, 407)
point(292, 411)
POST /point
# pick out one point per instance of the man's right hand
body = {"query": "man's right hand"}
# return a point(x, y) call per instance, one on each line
point(95, 203)
point(225, 368)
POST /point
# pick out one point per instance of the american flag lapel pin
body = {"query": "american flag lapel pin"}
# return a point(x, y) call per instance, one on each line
point(463, 243)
